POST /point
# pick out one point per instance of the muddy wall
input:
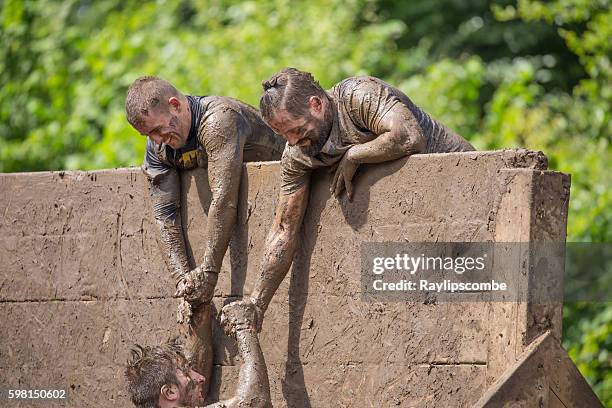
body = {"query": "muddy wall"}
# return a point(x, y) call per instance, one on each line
point(82, 279)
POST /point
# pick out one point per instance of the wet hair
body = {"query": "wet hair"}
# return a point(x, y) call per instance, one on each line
point(150, 368)
point(144, 95)
point(290, 90)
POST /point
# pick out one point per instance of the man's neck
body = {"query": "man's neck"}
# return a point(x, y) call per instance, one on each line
point(190, 114)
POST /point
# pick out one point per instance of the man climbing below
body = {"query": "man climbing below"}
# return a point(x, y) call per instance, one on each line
point(162, 377)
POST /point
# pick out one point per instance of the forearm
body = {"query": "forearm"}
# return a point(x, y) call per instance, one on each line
point(280, 248)
point(200, 331)
point(388, 146)
point(173, 243)
point(165, 195)
point(219, 229)
point(254, 388)
point(253, 384)
point(165, 191)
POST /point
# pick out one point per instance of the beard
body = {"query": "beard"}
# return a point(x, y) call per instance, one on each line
point(319, 135)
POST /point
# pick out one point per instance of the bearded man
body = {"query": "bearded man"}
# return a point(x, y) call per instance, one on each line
point(360, 120)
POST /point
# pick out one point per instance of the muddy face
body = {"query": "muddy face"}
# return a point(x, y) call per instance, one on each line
point(190, 387)
point(309, 132)
point(167, 125)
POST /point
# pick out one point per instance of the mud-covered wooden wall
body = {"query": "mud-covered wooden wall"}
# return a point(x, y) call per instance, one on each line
point(82, 278)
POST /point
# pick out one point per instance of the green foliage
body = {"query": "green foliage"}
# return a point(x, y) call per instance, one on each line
point(67, 65)
point(587, 336)
point(504, 74)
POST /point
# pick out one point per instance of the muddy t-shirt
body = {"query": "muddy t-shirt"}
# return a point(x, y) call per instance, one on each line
point(360, 105)
point(208, 116)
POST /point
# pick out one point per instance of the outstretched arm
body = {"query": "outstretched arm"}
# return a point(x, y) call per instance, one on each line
point(199, 348)
point(223, 136)
point(280, 247)
point(165, 190)
point(165, 187)
point(224, 149)
point(253, 391)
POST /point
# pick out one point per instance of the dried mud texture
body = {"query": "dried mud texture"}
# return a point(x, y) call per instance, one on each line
point(82, 279)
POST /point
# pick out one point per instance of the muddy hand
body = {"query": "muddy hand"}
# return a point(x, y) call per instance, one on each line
point(259, 314)
point(343, 177)
point(184, 312)
point(239, 315)
point(197, 286)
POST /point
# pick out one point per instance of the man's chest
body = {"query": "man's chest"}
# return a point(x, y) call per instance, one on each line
point(188, 157)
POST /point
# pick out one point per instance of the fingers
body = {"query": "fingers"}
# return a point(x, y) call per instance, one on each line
point(338, 182)
point(180, 288)
point(197, 286)
point(335, 179)
point(349, 189)
point(238, 315)
point(184, 312)
point(177, 275)
point(259, 315)
point(339, 186)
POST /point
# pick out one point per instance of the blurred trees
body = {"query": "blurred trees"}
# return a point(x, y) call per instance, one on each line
point(66, 65)
point(503, 73)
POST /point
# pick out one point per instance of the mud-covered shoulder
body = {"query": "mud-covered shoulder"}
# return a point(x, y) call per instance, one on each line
point(362, 94)
point(219, 105)
point(223, 123)
point(364, 101)
point(347, 86)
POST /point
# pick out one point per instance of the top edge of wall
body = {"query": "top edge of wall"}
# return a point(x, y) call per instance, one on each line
point(515, 158)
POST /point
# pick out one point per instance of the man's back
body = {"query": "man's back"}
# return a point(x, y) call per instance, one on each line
point(363, 101)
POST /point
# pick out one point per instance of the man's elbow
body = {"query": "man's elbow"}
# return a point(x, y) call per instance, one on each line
point(410, 142)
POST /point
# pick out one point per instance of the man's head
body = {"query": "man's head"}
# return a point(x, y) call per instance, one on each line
point(296, 107)
point(158, 110)
point(160, 377)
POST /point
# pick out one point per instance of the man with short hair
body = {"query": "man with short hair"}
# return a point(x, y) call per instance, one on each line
point(360, 120)
point(185, 132)
point(189, 131)
point(161, 376)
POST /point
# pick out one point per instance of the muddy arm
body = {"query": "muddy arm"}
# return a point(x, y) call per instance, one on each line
point(224, 147)
point(253, 391)
point(165, 194)
point(280, 246)
point(165, 190)
point(223, 136)
point(253, 387)
point(398, 136)
point(200, 337)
